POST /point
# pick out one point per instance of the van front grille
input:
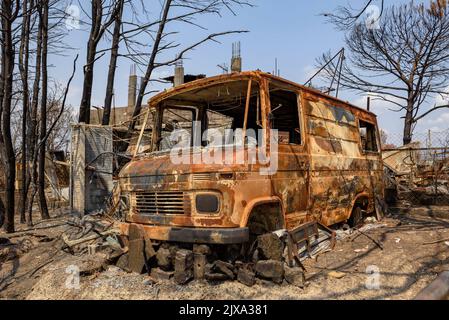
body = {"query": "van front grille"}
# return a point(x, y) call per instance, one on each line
point(161, 202)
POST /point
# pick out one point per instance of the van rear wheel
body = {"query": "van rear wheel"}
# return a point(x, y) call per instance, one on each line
point(356, 217)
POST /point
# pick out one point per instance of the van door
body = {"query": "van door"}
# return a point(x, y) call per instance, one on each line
point(290, 182)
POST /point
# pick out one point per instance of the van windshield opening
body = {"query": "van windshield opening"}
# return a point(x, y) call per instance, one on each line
point(215, 108)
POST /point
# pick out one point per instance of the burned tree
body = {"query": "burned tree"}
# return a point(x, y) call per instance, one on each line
point(24, 54)
point(99, 24)
point(9, 13)
point(345, 17)
point(404, 62)
point(33, 128)
point(185, 11)
point(43, 120)
point(116, 35)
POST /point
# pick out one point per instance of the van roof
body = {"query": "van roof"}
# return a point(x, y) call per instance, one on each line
point(246, 74)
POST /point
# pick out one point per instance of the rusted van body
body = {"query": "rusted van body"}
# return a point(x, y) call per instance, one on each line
point(328, 162)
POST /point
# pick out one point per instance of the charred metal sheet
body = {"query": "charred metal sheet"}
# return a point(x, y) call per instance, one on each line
point(402, 160)
point(193, 235)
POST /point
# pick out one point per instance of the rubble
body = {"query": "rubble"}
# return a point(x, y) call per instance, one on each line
point(224, 268)
point(199, 265)
point(201, 249)
point(164, 258)
point(215, 276)
point(183, 266)
point(270, 258)
point(270, 247)
point(159, 274)
point(294, 276)
point(270, 269)
point(123, 262)
point(247, 277)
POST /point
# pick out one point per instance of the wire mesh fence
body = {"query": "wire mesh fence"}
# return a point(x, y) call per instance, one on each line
point(417, 173)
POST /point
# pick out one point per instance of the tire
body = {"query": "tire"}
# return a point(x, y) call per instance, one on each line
point(356, 217)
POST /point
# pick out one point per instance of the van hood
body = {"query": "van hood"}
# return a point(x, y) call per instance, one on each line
point(160, 164)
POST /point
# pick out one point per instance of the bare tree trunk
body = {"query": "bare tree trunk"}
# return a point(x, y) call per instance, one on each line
point(32, 134)
point(150, 67)
point(2, 156)
point(97, 13)
point(112, 65)
point(43, 119)
point(408, 122)
point(8, 64)
point(23, 66)
point(2, 212)
point(143, 84)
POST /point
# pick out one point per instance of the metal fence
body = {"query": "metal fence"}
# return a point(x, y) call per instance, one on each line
point(417, 173)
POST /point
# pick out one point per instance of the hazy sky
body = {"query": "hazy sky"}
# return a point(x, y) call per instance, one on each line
point(290, 30)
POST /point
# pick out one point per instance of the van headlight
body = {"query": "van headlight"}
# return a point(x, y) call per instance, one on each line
point(207, 203)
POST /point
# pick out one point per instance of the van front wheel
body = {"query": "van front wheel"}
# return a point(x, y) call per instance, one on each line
point(356, 217)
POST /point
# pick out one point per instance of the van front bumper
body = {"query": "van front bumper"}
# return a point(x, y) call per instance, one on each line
point(189, 235)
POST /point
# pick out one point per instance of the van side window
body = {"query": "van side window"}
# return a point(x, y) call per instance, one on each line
point(368, 136)
point(284, 114)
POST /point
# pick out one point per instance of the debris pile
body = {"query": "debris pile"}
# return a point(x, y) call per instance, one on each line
point(419, 176)
point(10, 250)
point(272, 257)
point(94, 236)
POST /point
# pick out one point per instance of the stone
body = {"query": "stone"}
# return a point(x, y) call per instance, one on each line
point(225, 268)
point(122, 262)
point(159, 274)
point(91, 264)
point(201, 249)
point(240, 264)
point(114, 255)
point(136, 261)
point(336, 274)
point(270, 247)
point(199, 266)
point(164, 258)
point(173, 249)
point(140, 249)
point(294, 276)
point(246, 277)
point(270, 269)
point(255, 256)
point(211, 276)
point(149, 250)
point(183, 266)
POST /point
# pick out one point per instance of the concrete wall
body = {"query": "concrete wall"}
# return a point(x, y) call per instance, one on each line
point(91, 168)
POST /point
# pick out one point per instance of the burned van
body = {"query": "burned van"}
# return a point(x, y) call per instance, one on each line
point(222, 157)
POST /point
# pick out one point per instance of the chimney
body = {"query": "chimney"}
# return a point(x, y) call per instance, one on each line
point(236, 61)
point(179, 73)
point(132, 87)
